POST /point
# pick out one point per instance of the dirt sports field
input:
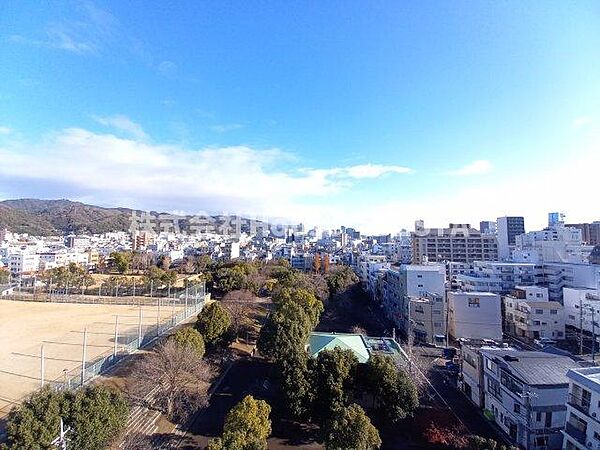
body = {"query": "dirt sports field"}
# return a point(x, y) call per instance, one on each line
point(25, 326)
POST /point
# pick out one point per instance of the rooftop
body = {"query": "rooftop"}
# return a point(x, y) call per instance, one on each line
point(533, 367)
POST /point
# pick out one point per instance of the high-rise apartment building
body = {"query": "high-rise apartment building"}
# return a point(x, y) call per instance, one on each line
point(508, 228)
point(457, 243)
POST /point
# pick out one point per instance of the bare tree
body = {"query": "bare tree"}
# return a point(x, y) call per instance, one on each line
point(239, 304)
point(176, 376)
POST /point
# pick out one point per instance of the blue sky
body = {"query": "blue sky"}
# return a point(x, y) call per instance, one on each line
point(371, 114)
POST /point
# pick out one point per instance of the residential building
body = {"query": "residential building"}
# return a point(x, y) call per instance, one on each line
point(458, 242)
point(526, 392)
point(23, 263)
point(474, 315)
point(582, 428)
point(582, 308)
point(507, 229)
point(556, 244)
point(487, 227)
point(590, 232)
point(413, 297)
point(530, 315)
point(497, 277)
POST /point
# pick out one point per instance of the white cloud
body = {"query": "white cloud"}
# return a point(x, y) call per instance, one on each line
point(478, 167)
point(224, 128)
point(5, 130)
point(582, 121)
point(123, 123)
point(230, 179)
point(167, 68)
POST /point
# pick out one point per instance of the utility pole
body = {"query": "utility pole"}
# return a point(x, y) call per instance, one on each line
point(580, 326)
point(140, 329)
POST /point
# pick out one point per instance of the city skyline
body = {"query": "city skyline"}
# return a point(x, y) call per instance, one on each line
point(370, 117)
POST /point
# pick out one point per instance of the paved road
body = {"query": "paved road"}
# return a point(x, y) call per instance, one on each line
point(445, 393)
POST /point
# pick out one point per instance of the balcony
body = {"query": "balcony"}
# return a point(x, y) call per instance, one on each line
point(575, 433)
point(579, 404)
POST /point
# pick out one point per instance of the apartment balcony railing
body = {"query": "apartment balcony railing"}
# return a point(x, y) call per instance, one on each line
point(575, 433)
point(579, 404)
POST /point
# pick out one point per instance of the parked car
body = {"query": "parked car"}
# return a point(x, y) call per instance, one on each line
point(543, 342)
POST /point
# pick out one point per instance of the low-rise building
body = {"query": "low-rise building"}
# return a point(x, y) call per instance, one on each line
point(530, 315)
point(526, 392)
point(582, 429)
point(474, 315)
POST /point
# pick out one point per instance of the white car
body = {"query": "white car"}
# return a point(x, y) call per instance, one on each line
point(542, 342)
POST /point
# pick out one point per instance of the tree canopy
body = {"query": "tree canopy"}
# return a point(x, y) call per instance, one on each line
point(394, 392)
point(247, 426)
point(213, 323)
point(333, 374)
point(189, 337)
point(95, 414)
point(351, 429)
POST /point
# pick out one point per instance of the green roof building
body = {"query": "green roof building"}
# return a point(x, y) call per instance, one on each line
point(328, 341)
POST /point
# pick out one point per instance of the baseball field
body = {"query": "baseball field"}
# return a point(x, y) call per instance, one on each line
point(56, 330)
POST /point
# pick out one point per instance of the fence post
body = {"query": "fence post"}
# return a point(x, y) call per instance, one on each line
point(116, 335)
point(84, 356)
point(42, 367)
point(157, 315)
point(140, 329)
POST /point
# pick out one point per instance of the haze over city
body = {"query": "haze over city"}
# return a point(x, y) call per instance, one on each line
point(324, 113)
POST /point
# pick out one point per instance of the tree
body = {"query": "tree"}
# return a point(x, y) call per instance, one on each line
point(180, 375)
point(239, 305)
point(287, 329)
point(4, 276)
point(394, 393)
point(340, 279)
point(121, 260)
point(231, 278)
point(296, 384)
point(333, 375)
point(97, 415)
point(247, 426)
point(189, 337)
point(36, 422)
point(213, 323)
point(351, 429)
point(164, 262)
point(307, 300)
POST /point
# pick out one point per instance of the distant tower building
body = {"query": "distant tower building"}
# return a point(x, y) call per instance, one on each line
point(507, 229)
point(555, 218)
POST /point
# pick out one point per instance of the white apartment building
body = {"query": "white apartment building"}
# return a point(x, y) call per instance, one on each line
point(458, 242)
point(427, 322)
point(557, 276)
point(582, 308)
point(507, 229)
point(530, 315)
point(474, 315)
point(554, 244)
point(416, 293)
point(23, 263)
point(369, 264)
point(498, 277)
point(582, 428)
point(526, 392)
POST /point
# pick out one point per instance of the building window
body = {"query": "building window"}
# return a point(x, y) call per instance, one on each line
point(473, 302)
point(554, 311)
point(539, 311)
point(517, 408)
